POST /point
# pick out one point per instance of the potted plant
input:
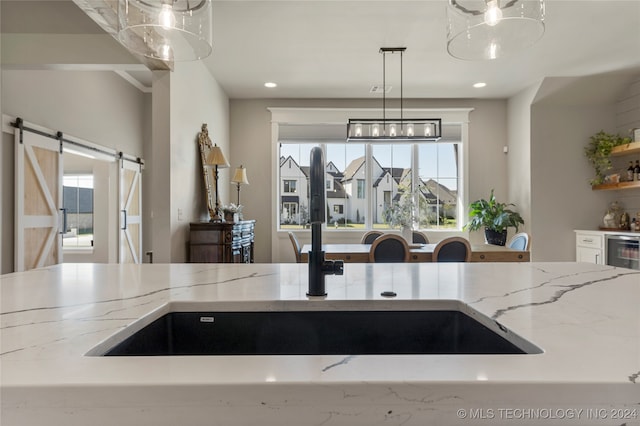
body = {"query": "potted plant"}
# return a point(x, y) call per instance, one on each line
point(495, 217)
point(599, 153)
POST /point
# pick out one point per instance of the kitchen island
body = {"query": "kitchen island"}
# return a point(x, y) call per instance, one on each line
point(585, 318)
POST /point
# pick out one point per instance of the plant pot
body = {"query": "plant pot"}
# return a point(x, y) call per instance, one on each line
point(495, 238)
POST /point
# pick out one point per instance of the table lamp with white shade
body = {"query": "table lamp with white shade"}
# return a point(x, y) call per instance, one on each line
point(240, 177)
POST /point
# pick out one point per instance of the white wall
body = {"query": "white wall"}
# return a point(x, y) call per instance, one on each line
point(564, 115)
point(196, 98)
point(251, 146)
point(519, 154)
point(628, 108)
point(157, 174)
point(96, 106)
point(1, 176)
point(627, 116)
point(561, 197)
point(102, 108)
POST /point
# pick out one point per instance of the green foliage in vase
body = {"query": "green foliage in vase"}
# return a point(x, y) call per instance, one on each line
point(599, 153)
point(492, 215)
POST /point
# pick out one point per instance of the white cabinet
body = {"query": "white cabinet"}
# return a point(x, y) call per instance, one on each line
point(590, 247)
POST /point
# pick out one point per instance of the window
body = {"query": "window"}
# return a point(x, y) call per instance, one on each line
point(363, 179)
point(77, 201)
point(294, 185)
point(357, 191)
point(290, 186)
point(360, 188)
point(438, 173)
point(390, 177)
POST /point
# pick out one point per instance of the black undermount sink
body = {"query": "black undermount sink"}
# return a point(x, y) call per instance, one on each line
point(319, 332)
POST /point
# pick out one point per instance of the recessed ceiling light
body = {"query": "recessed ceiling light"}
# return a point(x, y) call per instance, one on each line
point(479, 85)
point(270, 84)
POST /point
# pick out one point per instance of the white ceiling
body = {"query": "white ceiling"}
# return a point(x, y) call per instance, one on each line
point(329, 48)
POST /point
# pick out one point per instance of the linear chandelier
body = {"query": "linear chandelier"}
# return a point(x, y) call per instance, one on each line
point(169, 30)
point(490, 29)
point(393, 129)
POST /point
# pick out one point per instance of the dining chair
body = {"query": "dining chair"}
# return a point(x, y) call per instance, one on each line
point(420, 238)
point(297, 249)
point(389, 248)
point(521, 241)
point(452, 249)
point(370, 236)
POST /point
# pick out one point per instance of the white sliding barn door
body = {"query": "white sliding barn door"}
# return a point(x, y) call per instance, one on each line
point(130, 212)
point(38, 199)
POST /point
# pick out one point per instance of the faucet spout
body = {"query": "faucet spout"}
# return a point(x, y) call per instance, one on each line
point(319, 267)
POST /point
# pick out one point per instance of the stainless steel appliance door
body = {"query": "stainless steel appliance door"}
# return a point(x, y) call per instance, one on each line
point(623, 251)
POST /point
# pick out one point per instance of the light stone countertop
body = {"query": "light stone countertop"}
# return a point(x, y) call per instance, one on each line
point(585, 317)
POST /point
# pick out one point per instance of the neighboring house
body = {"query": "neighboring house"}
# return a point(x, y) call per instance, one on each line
point(390, 182)
point(354, 186)
point(337, 197)
point(439, 197)
point(346, 196)
point(293, 192)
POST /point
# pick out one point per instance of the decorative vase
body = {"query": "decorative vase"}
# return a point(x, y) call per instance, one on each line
point(495, 238)
point(229, 217)
point(407, 234)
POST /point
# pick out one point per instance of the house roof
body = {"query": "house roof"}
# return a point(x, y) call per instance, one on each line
point(303, 169)
point(433, 190)
point(353, 168)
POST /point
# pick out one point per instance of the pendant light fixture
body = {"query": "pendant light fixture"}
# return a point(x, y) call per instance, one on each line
point(393, 129)
point(168, 30)
point(491, 29)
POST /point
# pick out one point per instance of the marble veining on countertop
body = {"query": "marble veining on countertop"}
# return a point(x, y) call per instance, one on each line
point(585, 318)
point(55, 315)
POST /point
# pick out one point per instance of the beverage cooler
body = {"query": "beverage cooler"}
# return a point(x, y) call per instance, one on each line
point(623, 251)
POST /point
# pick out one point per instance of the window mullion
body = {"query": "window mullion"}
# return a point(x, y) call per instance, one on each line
point(368, 186)
point(415, 181)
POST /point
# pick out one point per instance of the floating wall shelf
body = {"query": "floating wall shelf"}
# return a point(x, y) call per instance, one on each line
point(627, 149)
point(613, 186)
point(630, 148)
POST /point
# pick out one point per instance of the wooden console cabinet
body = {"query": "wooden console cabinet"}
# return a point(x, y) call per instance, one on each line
point(221, 242)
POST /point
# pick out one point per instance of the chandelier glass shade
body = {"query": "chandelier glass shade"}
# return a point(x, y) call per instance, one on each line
point(393, 129)
point(168, 30)
point(491, 29)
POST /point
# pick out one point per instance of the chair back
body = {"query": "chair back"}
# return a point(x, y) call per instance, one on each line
point(370, 236)
point(297, 249)
point(389, 248)
point(520, 241)
point(452, 249)
point(420, 238)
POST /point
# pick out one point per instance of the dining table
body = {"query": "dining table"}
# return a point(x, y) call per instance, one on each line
point(359, 253)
